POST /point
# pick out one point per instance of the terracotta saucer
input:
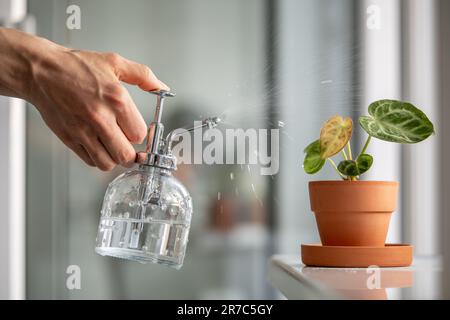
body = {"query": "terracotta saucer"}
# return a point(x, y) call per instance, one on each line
point(391, 255)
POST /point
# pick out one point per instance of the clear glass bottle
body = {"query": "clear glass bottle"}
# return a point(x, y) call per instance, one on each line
point(146, 212)
point(145, 217)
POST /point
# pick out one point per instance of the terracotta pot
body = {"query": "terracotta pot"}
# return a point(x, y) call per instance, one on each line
point(353, 213)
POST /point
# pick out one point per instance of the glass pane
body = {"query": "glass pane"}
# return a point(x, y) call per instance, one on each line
point(254, 64)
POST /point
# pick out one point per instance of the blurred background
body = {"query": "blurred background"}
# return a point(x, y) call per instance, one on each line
point(287, 65)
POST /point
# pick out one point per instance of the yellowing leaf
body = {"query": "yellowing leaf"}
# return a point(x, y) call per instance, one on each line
point(334, 135)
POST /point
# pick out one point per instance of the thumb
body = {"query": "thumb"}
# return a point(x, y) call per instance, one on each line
point(138, 74)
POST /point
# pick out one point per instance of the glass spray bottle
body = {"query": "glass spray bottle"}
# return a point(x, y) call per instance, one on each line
point(146, 212)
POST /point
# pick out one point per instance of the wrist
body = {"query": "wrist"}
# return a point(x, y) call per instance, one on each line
point(23, 58)
point(44, 58)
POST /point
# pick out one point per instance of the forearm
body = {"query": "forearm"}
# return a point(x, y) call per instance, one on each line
point(21, 55)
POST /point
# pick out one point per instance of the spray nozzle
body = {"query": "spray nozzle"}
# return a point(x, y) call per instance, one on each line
point(210, 122)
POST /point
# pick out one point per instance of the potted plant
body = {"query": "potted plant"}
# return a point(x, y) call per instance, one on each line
point(351, 212)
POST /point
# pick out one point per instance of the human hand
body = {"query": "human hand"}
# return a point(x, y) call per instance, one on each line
point(80, 97)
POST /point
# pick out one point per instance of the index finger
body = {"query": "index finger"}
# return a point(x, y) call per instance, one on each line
point(138, 74)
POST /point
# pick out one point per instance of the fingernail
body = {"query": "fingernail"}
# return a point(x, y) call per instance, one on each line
point(164, 86)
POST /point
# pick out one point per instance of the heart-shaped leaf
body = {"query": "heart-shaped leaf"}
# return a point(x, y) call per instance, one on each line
point(396, 121)
point(334, 135)
point(364, 162)
point(354, 168)
point(313, 162)
point(349, 168)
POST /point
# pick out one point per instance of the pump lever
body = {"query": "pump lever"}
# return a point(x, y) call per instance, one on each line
point(156, 128)
point(153, 156)
point(161, 94)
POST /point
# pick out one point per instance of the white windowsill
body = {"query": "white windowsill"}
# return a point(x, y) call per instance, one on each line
point(296, 281)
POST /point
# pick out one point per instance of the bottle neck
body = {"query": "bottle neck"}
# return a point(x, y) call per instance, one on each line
point(155, 170)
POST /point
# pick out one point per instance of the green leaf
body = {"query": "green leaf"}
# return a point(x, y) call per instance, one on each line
point(396, 121)
point(313, 162)
point(352, 168)
point(349, 168)
point(364, 162)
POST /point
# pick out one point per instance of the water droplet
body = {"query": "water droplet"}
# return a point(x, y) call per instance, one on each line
point(120, 215)
point(121, 243)
point(187, 202)
point(131, 203)
point(173, 211)
point(126, 215)
point(281, 124)
point(219, 196)
point(231, 176)
point(328, 81)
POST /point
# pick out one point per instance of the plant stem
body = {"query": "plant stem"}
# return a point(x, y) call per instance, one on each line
point(344, 154)
point(349, 149)
point(335, 168)
point(366, 145)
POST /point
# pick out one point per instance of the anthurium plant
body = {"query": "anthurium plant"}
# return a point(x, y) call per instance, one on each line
point(388, 120)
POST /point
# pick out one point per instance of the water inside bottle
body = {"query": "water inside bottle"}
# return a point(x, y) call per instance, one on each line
point(159, 241)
